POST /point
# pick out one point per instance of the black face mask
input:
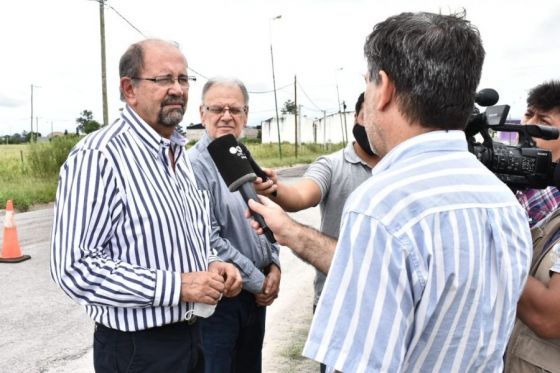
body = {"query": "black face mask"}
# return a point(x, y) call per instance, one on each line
point(361, 138)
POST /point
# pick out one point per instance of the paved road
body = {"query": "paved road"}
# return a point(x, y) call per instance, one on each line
point(42, 330)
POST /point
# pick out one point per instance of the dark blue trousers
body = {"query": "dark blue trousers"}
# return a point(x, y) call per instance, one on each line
point(171, 348)
point(232, 337)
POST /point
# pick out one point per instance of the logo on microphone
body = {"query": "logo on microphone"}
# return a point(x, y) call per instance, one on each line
point(236, 150)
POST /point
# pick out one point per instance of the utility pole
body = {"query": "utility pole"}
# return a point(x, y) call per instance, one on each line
point(295, 117)
point(103, 65)
point(31, 133)
point(324, 129)
point(274, 83)
point(345, 126)
point(339, 111)
point(300, 124)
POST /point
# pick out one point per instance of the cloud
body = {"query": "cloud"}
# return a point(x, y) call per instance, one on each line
point(10, 102)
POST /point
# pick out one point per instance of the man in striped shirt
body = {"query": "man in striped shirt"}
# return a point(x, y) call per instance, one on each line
point(131, 234)
point(433, 249)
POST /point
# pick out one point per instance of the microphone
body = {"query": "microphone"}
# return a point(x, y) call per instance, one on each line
point(486, 97)
point(258, 170)
point(234, 167)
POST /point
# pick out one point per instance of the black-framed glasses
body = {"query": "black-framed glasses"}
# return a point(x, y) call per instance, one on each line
point(168, 80)
point(221, 110)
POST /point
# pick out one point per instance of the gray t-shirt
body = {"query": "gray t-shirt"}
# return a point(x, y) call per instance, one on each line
point(337, 175)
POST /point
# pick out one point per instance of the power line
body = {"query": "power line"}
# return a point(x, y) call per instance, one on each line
point(144, 35)
point(306, 95)
point(312, 109)
point(126, 20)
point(197, 73)
point(272, 90)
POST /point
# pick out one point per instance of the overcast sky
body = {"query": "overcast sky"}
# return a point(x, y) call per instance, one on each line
point(55, 45)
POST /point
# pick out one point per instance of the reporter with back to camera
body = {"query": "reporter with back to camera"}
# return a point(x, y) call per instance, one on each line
point(535, 342)
point(433, 250)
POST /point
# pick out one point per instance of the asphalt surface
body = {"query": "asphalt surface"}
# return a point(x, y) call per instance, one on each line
point(42, 330)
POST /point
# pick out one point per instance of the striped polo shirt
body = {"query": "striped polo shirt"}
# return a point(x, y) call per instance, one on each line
point(127, 225)
point(432, 257)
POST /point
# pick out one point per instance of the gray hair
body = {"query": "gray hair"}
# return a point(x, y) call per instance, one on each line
point(227, 82)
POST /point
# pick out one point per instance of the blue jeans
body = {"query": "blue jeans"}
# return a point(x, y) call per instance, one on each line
point(232, 337)
point(170, 348)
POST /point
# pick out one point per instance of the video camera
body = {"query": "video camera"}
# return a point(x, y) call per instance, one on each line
point(521, 166)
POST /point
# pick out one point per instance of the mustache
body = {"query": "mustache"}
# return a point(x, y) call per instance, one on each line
point(173, 101)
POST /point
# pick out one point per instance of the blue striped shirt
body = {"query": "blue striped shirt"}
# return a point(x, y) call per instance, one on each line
point(432, 257)
point(127, 225)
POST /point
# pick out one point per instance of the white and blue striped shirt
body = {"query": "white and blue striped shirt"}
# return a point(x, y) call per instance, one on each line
point(432, 257)
point(127, 225)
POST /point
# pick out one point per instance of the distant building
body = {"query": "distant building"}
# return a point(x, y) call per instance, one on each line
point(326, 130)
point(194, 132)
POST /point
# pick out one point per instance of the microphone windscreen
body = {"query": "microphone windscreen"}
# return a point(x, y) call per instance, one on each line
point(254, 165)
point(487, 97)
point(232, 163)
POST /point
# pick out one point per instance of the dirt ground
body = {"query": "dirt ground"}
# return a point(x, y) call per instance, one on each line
point(289, 317)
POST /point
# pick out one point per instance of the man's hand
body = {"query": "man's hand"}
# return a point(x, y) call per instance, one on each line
point(307, 243)
point(268, 187)
point(201, 287)
point(233, 282)
point(284, 228)
point(271, 287)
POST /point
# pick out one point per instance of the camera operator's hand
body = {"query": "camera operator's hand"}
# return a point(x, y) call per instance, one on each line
point(268, 187)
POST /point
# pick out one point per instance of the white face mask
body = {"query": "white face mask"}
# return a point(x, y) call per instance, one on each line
point(201, 310)
point(204, 310)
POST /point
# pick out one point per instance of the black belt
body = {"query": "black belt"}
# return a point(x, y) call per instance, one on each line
point(191, 321)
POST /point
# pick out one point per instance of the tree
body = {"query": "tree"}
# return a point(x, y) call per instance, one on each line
point(30, 136)
point(16, 138)
point(289, 107)
point(86, 123)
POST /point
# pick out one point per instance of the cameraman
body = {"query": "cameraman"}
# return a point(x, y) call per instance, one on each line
point(535, 341)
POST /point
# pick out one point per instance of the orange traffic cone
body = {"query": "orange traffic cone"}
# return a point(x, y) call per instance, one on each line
point(11, 251)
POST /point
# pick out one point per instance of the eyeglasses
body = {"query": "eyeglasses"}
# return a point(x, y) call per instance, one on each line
point(221, 110)
point(168, 80)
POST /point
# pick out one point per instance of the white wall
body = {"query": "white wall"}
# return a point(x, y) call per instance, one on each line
point(309, 130)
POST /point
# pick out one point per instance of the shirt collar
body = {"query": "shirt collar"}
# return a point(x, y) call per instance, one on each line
point(148, 136)
point(444, 141)
point(205, 140)
point(350, 154)
point(539, 203)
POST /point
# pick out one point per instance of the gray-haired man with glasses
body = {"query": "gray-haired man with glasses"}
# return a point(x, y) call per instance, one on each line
point(232, 337)
point(131, 234)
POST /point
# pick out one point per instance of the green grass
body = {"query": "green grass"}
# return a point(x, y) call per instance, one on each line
point(29, 173)
point(27, 191)
point(267, 155)
point(294, 351)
